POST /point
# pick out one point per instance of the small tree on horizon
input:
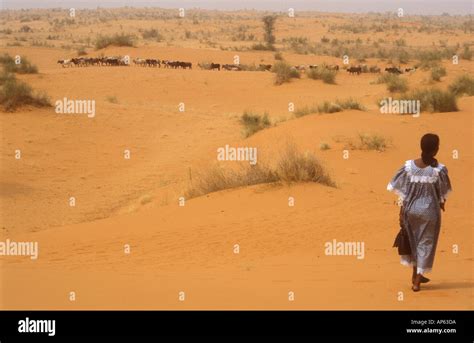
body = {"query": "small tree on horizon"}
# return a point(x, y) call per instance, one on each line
point(269, 28)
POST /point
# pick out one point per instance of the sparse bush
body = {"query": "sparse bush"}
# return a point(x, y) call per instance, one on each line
point(324, 39)
point(259, 46)
point(284, 72)
point(402, 56)
point(81, 51)
point(322, 73)
point(294, 166)
point(466, 53)
point(26, 28)
point(112, 99)
point(394, 82)
point(430, 55)
point(324, 146)
point(464, 84)
point(25, 67)
point(152, 34)
point(433, 100)
point(115, 40)
point(351, 104)
point(330, 107)
point(429, 59)
point(278, 56)
point(253, 123)
point(291, 166)
point(437, 73)
point(14, 94)
point(371, 142)
point(6, 76)
point(400, 42)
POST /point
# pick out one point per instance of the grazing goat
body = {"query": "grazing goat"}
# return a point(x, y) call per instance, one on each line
point(65, 63)
point(393, 70)
point(140, 62)
point(354, 70)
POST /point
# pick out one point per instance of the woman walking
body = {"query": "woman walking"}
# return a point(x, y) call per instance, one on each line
point(423, 186)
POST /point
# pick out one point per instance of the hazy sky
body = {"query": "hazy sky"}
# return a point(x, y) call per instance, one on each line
point(351, 6)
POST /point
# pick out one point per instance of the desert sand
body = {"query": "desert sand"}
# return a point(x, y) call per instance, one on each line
point(190, 248)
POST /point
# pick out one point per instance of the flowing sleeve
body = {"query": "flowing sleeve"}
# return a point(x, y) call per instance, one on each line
point(444, 184)
point(399, 183)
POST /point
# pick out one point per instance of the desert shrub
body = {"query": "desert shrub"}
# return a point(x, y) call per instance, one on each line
point(429, 59)
point(253, 122)
point(6, 76)
point(466, 54)
point(115, 40)
point(300, 45)
point(152, 34)
point(430, 55)
point(284, 72)
point(464, 84)
point(402, 56)
point(394, 82)
point(278, 56)
point(351, 104)
point(303, 111)
point(25, 67)
point(260, 47)
point(427, 65)
point(294, 166)
point(331, 107)
point(322, 73)
point(371, 142)
point(324, 146)
point(25, 28)
point(324, 39)
point(14, 94)
point(437, 73)
point(433, 100)
point(112, 99)
point(400, 42)
point(290, 167)
point(81, 51)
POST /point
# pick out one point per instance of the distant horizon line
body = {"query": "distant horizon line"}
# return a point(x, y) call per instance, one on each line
point(410, 7)
point(234, 10)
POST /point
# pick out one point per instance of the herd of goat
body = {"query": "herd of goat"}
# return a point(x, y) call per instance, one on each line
point(151, 62)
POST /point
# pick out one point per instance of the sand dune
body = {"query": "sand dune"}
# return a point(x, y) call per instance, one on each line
point(190, 248)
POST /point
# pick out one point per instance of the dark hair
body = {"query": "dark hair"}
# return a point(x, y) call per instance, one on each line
point(429, 148)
